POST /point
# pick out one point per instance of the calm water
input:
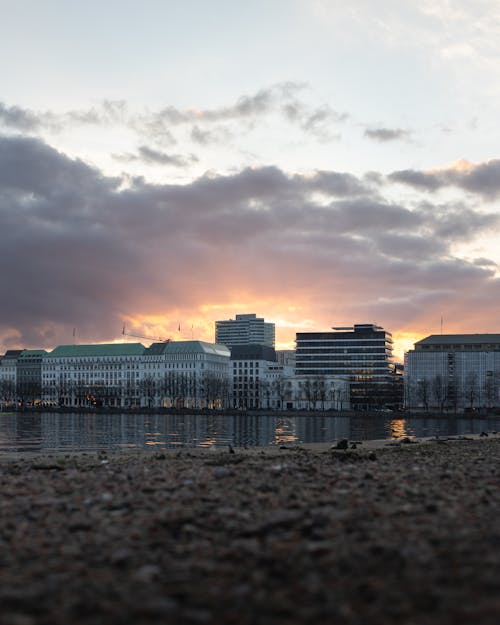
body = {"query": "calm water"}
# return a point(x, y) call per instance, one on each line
point(48, 432)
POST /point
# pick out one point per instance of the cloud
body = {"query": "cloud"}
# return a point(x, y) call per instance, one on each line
point(84, 250)
point(218, 134)
point(16, 117)
point(385, 135)
point(482, 179)
point(156, 157)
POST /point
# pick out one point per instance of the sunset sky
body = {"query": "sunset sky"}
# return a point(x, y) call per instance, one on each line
point(318, 162)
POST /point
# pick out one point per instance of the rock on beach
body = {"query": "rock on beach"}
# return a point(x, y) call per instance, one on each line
point(410, 534)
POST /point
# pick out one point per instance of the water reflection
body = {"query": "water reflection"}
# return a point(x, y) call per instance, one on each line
point(47, 432)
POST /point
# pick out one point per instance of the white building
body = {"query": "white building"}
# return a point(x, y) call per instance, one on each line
point(93, 375)
point(256, 377)
point(454, 371)
point(247, 329)
point(190, 374)
point(186, 374)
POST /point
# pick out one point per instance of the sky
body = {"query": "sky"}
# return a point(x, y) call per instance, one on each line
point(317, 162)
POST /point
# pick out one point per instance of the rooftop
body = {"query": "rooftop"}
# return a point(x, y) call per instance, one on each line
point(187, 347)
point(99, 349)
point(460, 339)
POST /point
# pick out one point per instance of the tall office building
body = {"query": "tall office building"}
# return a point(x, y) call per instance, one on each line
point(453, 371)
point(246, 329)
point(361, 354)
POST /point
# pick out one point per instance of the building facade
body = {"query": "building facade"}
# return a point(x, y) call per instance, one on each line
point(29, 375)
point(8, 376)
point(453, 372)
point(256, 377)
point(186, 374)
point(180, 374)
point(93, 375)
point(361, 354)
point(247, 329)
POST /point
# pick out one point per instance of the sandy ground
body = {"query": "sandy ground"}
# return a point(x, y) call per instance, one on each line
point(383, 533)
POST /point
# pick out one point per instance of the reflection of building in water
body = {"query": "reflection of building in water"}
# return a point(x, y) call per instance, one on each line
point(398, 428)
point(321, 429)
point(454, 371)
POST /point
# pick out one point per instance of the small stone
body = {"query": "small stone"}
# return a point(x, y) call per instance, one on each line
point(147, 573)
point(221, 472)
point(343, 444)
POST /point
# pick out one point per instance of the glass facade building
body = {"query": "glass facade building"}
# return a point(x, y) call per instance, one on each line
point(362, 354)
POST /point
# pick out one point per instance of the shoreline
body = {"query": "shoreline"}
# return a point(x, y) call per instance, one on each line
point(318, 447)
point(289, 535)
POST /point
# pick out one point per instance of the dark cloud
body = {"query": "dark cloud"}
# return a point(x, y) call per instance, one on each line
point(385, 135)
point(417, 179)
point(18, 118)
point(482, 179)
point(83, 250)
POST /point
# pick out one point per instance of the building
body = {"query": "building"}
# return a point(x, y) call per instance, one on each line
point(256, 377)
point(29, 375)
point(186, 374)
point(316, 393)
point(453, 372)
point(181, 374)
point(246, 329)
point(8, 376)
point(361, 354)
point(93, 375)
point(286, 357)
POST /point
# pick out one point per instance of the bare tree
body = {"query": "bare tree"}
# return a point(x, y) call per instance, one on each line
point(423, 393)
point(471, 389)
point(439, 389)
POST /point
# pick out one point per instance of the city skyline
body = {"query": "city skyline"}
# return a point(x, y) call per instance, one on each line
point(166, 166)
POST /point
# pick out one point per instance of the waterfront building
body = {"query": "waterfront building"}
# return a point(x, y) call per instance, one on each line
point(246, 329)
point(453, 372)
point(257, 378)
point(8, 376)
point(361, 354)
point(29, 375)
point(93, 375)
point(186, 374)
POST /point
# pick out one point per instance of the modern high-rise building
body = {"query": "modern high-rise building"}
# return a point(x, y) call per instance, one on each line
point(247, 329)
point(361, 354)
point(453, 371)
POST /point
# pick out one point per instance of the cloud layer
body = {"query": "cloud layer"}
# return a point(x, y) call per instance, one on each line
point(84, 250)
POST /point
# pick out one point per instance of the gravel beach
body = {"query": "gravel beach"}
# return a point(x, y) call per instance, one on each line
point(406, 534)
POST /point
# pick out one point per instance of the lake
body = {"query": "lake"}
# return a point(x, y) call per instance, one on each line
point(56, 432)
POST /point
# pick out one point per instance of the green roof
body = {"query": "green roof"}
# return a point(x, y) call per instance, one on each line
point(99, 349)
point(31, 353)
point(188, 347)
